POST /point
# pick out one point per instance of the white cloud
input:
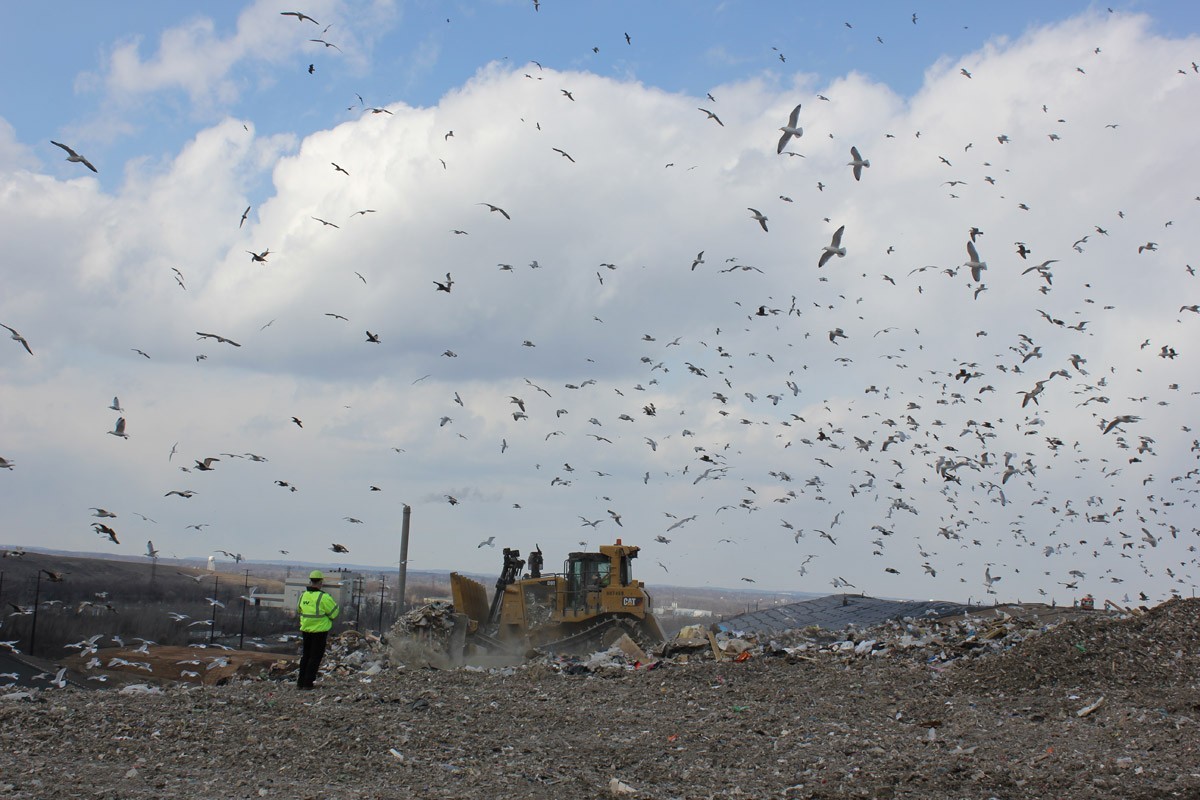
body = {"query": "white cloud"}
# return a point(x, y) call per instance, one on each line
point(214, 68)
point(107, 286)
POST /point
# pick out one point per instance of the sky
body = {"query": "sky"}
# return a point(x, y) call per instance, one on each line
point(546, 217)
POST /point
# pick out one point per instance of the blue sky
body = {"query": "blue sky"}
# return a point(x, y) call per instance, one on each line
point(417, 52)
point(887, 409)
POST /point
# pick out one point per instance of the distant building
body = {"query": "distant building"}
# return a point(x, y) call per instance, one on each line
point(212, 564)
point(675, 611)
point(339, 584)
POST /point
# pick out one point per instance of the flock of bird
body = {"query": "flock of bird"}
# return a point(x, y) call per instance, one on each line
point(923, 452)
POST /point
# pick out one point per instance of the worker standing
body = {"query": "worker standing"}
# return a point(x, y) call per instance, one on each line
point(317, 612)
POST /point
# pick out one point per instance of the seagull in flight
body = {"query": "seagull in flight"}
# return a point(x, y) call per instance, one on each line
point(299, 15)
point(977, 267)
point(496, 208)
point(790, 130)
point(16, 337)
point(712, 116)
point(1119, 419)
point(834, 248)
point(220, 339)
point(757, 216)
point(74, 157)
point(119, 430)
point(858, 162)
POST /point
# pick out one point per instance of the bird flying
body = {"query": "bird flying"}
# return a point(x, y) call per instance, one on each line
point(834, 248)
point(790, 130)
point(74, 157)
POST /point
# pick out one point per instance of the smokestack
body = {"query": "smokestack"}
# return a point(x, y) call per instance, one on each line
point(402, 584)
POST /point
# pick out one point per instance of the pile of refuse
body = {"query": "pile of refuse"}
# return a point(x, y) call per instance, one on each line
point(430, 624)
point(422, 637)
point(934, 642)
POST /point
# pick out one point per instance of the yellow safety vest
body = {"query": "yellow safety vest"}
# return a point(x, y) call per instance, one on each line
point(317, 611)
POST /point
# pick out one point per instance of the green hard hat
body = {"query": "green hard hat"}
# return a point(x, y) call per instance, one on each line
point(316, 575)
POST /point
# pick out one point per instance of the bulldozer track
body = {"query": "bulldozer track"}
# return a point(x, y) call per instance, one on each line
point(587, 635)
point(593, 635)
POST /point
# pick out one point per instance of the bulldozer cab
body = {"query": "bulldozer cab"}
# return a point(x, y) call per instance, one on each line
point(588, 574)
point(602, 583)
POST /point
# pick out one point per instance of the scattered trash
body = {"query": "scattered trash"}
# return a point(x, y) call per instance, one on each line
point(1088, 709)
point(631, 650)
point(618, 788)
point(140, 688)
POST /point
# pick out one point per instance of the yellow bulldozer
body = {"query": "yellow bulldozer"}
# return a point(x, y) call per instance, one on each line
point(585, 608)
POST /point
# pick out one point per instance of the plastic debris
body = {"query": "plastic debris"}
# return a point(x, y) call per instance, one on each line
point(617, 788)
point(1088, 709)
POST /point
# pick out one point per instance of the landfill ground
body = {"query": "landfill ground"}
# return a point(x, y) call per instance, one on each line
point(1000, 707)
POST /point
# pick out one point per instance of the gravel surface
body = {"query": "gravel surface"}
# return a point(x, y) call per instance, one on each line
point(947, 718)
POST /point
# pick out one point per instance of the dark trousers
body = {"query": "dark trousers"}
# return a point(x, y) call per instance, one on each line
point(310, 658)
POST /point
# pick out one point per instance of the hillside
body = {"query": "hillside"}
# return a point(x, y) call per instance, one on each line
point(1096, 706)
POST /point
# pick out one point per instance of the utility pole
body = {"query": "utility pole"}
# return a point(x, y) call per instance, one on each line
point(402, 585)
point(359, 586)
point(212, 628)
point(37, 592)
point(245, 602)
point(382, 586)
